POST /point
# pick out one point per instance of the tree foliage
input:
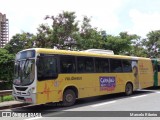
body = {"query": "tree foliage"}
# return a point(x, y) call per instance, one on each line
point(119, 44)
point(6, 67)
point(66, 32)
point(43, 37)
point(89, 37)
point(152, 43)
point(19, 42)
point(64, 29)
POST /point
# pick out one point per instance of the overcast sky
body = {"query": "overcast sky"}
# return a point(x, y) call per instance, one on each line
point(115, 16)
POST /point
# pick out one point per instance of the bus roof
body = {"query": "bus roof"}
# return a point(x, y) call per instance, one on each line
point(81, 53)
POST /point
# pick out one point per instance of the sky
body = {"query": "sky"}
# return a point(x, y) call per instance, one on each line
point(114, 16)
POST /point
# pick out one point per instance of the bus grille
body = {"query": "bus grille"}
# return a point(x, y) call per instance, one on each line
point(21, 88)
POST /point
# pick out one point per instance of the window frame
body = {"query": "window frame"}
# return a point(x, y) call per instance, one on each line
point(110, 62)
point(60, 69)
point(130, 66)
point(85, 57)
point(98, 58)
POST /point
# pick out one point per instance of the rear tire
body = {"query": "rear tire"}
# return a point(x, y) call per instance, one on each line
point(69, 97)
point(128, 89)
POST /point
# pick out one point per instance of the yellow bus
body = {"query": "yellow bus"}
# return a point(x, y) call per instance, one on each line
point(48, 75)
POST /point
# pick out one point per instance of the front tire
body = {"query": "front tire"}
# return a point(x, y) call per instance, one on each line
point(128, 89)
point(69, 97)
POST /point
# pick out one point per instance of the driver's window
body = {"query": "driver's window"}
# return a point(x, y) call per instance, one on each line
point(46, 68)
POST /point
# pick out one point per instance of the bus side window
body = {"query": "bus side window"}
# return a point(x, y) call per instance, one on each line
point(127, 67)
point(102, 65)
point(116, 65)
point(85, 64)
point(67, 64)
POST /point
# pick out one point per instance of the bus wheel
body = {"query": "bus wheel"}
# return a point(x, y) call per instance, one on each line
point(69, 97)
point(128, 89)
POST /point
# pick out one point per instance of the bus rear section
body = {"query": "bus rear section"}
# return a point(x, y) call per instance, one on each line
point(145, 73)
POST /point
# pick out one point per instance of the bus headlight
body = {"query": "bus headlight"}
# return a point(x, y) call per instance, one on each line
point(31, 90)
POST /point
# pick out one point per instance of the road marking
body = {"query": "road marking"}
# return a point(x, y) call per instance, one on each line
point(139, 96)
point(148, 90)
point(154, 91)
point(101, 104)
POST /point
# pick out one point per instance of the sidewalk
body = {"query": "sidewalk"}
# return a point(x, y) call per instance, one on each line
point(11, 104)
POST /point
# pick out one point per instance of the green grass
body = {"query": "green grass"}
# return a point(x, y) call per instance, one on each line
point(7, 98)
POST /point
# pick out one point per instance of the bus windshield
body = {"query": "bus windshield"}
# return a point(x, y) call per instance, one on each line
point(24, 72)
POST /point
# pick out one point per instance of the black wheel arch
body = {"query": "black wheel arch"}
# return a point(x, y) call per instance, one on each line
point(129, 82)
point(73, 88)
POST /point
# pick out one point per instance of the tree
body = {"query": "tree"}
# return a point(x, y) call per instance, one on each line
point(152, 43)
point(89, 36)
point(138, 48)
point(6, 67)
point(65, 29)
point(20, 42)
point(43, 37)
point(119, 44)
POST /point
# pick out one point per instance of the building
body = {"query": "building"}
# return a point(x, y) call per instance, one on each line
point(4, 30)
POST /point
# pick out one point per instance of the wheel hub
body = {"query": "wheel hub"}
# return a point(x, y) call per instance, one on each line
point(69, 98)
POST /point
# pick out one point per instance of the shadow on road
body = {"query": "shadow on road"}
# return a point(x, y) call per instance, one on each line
point(51, 107)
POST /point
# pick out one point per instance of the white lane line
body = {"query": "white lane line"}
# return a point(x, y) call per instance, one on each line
point(101, 104)
point(154, 91)
point(139, 96)
point(146, 90)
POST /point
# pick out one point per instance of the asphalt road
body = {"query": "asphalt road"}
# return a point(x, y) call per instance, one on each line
point(116, 107)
